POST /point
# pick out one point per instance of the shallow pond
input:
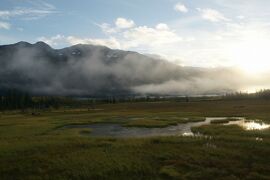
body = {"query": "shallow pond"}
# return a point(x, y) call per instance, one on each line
point(116, 130)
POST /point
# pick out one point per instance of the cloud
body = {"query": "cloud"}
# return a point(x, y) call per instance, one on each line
point(106, 28)
point(158, 37)
point(190, 50)
point(25, 13)
point(37, 10)
point(162, 26)
point(126, 35)
point(40, 4)
point(241, 17)
point(196, 86)
point(119, 25)
point(123, 23)
point(181, 8)
point(145, 36)
point(5, 14)
point(217, 46)
point(110, 42)
point(4, 25)
point(212, 15)
point(54, 40)
point(61, 40)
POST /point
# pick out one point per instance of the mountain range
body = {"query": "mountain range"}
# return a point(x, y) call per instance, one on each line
point(90, 70)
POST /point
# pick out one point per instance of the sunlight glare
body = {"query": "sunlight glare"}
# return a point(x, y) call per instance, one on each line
point(251, 53)
point(255, 125)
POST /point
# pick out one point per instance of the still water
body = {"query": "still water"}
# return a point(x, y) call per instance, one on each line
point(116, 130)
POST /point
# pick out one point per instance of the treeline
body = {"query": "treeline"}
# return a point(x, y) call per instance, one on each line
point(13, 99)
point(262, 94)
point(19, 100)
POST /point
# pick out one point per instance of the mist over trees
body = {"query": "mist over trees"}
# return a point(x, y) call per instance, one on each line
point(262, 94)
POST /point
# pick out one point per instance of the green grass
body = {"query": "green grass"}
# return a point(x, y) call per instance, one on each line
point(38, 147)
point(224, 121)
point(196, 119)
point(233, 119)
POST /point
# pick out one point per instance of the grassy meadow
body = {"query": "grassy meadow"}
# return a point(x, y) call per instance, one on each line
point(37, 147)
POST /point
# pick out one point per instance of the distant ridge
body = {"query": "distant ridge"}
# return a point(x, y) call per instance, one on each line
point(90, 70)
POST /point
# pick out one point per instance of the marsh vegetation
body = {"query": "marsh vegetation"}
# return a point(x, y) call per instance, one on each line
point(39, 147)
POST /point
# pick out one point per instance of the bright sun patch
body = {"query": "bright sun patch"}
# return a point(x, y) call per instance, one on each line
point(251, 52)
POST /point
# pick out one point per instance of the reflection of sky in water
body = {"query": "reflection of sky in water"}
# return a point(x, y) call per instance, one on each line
point(251, 125)
point(116, 130)
point(255, 125)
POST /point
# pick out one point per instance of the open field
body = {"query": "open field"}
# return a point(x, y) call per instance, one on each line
point(37, 147)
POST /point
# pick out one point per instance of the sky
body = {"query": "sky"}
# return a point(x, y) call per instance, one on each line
point(199, 33)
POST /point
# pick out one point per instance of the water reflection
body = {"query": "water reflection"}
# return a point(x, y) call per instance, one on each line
point(251, 125)
point(116, 130)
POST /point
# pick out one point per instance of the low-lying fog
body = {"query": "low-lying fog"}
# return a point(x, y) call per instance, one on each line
point(88, 70)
